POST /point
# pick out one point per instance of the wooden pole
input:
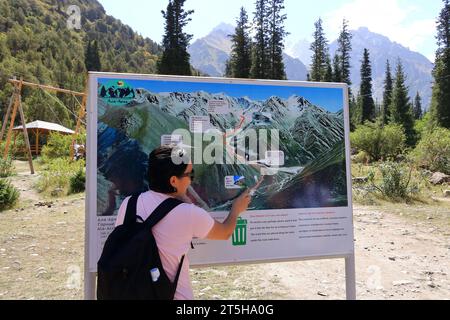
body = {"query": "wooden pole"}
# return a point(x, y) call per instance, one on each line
point(8, 114)
point(25, 135)
point(48, 88)
point(17, 90)
point(81, 115)
point(37, 142)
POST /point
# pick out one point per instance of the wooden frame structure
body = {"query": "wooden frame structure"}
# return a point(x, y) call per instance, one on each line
point(16, 105)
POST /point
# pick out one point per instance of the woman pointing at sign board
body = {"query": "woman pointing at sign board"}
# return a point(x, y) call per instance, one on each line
point(170, 177)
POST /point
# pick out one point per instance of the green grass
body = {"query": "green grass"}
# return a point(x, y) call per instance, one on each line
point(426, 190)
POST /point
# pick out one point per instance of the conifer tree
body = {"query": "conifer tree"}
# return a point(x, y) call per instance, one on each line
point(343, 52)
point(277, 35)
point(240, 62)
point(228, 72)
point(387, 95)
point(366, 97)
point(378, 110)
point(260, 54)
point(440, 105)
point(175, 58)
point(337, 74)
point(87, 56)
point(96, 57)
point(328, 77)
point(92, 57)
point(319, 47)
point(417, 111)
point(400, 108)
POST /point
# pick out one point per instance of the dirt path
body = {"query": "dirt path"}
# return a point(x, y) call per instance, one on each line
point(395, 259)
point(401, 253)
point(41, 246)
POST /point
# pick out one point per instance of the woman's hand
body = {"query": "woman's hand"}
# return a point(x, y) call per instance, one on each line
point(223, 231)
point(241, 203)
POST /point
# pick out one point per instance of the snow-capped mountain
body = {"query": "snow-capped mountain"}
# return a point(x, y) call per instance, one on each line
point(416, 66)
point(209, 54)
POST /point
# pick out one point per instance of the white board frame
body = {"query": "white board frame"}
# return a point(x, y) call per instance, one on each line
point(91, 172)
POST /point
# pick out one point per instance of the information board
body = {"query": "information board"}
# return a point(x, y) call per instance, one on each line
point(286, 141)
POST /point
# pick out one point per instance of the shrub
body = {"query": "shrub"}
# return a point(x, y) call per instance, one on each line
point(58, 146)
point(8, 195)
point(361, 157)
point(423, 125)
point(6, 167)
point(378, 142)
point(17, 150)
point(395, 180)
point(433, 151)
point(78, 182)
point(57, 174)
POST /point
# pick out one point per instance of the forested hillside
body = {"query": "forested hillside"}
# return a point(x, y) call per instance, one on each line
point(36, 44)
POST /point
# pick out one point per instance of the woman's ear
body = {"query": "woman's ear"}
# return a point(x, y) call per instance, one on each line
point(173, 181)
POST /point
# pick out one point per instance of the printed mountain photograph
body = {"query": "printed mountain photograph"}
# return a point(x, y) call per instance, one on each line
point(308, 122)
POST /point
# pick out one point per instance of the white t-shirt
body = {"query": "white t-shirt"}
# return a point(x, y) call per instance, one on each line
point(173, 235)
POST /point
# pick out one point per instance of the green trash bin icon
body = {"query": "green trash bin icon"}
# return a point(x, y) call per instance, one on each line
point(240, 234)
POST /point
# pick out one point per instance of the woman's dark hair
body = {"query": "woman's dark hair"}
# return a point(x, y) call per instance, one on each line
point(164, 163)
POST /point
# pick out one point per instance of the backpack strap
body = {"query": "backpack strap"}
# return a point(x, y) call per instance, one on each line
point(161, 211)
point(178, 275)
point(130, 215)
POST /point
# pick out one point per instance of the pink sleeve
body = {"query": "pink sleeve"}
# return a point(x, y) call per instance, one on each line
point(202, 222)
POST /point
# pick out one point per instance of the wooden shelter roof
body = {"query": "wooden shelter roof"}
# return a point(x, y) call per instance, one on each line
point(45, 126)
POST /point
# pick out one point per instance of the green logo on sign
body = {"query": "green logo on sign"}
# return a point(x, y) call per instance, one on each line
point(240, 234)
point(116, 93)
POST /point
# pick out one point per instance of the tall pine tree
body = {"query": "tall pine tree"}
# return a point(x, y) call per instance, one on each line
point(328, 77)
point(240, 62)
point(343, 52)
point(400, 108)
point(175, 58)
point(277, 35)
point(319, 47)
point(387, 95)
point(228, 72)
point(88, 56)
point(96, 56)
point(417, 111)
point(92, 57)
point(440, 105)
point(378, 109)
point(342, 73)
point(260, 53)
point(337, 74)
point(366, 98)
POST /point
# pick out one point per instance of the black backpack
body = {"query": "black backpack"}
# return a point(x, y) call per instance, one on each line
point(129, 255)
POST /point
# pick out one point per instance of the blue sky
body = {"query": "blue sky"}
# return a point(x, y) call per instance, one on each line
point(330, 99)
point(408, 22)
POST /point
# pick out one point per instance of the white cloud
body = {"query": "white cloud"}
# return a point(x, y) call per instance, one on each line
point(386, 17)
